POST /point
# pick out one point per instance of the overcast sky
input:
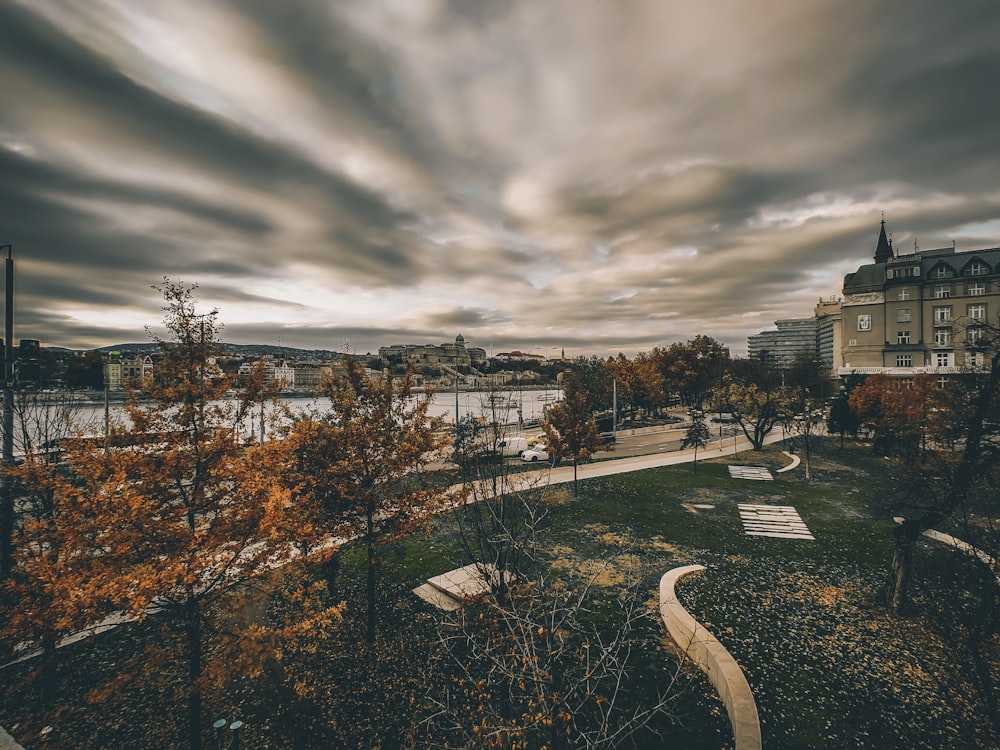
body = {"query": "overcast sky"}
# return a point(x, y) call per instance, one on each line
point(592, 176)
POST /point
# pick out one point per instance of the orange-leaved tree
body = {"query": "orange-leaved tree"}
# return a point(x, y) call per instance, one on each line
point(571, 430)
point(354, 467)
point(170, 514)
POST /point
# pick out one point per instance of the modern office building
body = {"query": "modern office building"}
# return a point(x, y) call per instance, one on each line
point(916, 312)
point(794, 338)
point(818, 336)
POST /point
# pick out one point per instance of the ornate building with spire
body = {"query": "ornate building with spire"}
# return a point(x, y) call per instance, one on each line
point(917, 312)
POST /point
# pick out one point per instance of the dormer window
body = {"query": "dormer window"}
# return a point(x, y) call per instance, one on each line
point(942, 272)
point(977, 268)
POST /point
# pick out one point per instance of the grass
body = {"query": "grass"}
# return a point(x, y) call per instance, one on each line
point(828, 667)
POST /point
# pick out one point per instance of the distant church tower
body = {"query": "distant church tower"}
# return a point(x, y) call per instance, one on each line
point(883, 250)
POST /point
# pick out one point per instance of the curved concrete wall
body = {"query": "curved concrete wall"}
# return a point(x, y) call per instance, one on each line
point(721, 668)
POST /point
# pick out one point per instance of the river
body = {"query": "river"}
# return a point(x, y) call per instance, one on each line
point(521, 407)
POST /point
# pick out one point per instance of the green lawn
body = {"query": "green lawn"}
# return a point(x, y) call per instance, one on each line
point(828, 666)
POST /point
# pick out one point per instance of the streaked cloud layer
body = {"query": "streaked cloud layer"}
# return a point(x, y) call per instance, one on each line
point(584, 175)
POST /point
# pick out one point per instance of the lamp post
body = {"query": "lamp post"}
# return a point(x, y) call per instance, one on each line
point(232, 742)
point(7, 492)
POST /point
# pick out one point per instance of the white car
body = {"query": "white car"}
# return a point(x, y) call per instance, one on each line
point(538, 453)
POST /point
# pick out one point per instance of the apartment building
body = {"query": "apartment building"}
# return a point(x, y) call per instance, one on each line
point(916, 312)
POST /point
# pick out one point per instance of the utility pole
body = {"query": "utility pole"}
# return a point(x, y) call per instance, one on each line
point(614, 405)
point(7, 494)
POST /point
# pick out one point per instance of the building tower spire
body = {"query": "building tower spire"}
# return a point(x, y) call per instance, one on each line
point(883, 250)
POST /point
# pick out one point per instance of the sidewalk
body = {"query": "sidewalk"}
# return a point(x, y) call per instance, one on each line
point(612, 466)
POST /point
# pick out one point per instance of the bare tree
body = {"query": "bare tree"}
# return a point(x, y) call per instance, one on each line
point(536, 666)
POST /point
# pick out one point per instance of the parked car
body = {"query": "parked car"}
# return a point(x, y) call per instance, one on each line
point(724, 418)
point(538, 453)
point(606, 437)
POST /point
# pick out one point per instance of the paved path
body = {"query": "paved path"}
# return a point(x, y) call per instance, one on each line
point(605, 468)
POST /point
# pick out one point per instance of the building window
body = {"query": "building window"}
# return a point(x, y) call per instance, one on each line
point(942, 272)
point(974, 360)
point(942, 291)
point(852, 342)
point(903, 315)
point(903, 294)
point(942, 336)
point(942, 359)
point(974, 336)
point(942, 314)
point(975, 288)
point(976, 312)
point(904, 360)
point(902, 337)
point(977, 268)
point(864, 322)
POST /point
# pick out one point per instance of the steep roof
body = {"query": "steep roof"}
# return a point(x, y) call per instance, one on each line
point(883, 250)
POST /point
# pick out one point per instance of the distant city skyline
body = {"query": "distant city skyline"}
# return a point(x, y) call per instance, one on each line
point(594, 177)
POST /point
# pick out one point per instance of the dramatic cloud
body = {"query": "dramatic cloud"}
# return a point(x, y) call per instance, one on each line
point(582, 175)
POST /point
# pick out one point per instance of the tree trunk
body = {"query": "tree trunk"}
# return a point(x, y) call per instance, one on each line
point(901, 569)
point(50, 665)
point(370, 540)
point(695, 469)
point(984, 675)
point(331, 569)
point(808, 455)
point(193, 630)
point(575, 494)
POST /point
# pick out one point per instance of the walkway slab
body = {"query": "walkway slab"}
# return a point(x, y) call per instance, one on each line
point(761, 473)
point(778, 521)
point(451, 590)
point(7, 742)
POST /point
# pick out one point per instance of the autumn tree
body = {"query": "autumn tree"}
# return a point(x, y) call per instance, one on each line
point(692, 368)
point(571, 431)
point(593, 377)
point(172, 516)
point(898, 410)
point(355, 465)
point(40, 608)
point(752, 392)
point(56, 587)
point(697, 436)
point(639, 383)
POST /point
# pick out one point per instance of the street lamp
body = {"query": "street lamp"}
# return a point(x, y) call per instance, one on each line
point(7, 498)
point(232, 742)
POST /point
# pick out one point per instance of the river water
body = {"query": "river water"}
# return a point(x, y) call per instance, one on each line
point(523, 408)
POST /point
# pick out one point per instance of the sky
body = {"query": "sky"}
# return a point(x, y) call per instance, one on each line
point(578, 176)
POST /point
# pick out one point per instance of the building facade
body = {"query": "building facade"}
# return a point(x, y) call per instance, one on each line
point(794, 338)
point(818, 336)
point(429, 355)
point(917, 312)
